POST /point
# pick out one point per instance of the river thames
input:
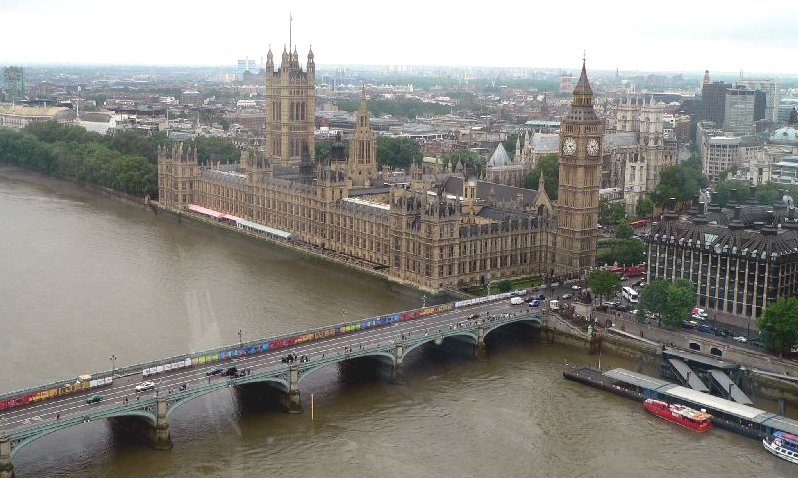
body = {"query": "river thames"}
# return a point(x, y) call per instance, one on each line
point(86, 276)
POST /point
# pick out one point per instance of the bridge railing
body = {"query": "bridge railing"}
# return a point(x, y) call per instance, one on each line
point(69, 385)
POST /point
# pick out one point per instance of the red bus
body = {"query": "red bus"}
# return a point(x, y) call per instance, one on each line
point(639, 223)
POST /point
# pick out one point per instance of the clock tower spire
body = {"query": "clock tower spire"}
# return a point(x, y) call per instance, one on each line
point(581, 133)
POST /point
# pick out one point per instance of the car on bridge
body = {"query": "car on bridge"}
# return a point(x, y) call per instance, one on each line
point(214, 371)
point(230, 372)
point(144, 386)
point(97, 398)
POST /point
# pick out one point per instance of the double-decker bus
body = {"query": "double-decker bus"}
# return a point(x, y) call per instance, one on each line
point(639, 223)
point(630, 295)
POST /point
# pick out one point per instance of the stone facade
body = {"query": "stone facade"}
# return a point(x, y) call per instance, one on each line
point(740, 258)
point(438, 229)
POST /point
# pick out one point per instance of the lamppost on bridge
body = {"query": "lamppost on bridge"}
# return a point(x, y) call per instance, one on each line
point(113, 365)
point(423, 301)
point(240, 342)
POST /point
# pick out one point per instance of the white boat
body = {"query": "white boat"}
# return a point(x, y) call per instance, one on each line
point(782, 444)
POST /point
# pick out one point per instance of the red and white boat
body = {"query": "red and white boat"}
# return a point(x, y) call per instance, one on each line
point(680, 414)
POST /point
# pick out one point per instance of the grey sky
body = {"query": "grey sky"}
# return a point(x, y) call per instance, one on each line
point(677, 35)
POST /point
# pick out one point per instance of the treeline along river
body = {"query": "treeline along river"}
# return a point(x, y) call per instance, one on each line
point(86, 276)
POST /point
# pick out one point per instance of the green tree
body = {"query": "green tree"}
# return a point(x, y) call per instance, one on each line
point(651, 300)
point(549, 166)
point(603, 282)
point(323, 148)
point(212, 149)
point(505, 286)
point(681, 181)
point(680, 300)
point(620, 251)
point(779, 325)
point(729, 190)
point(611, 212)
point(397, 152)
point(645, 207)
point(509, 145)
point(624, 231)
point(472, 161)
point(767, 193)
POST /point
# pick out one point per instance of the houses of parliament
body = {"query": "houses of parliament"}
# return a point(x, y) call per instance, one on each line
point(436, 228)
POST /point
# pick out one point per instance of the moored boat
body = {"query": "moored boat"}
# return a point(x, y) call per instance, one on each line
point(685, 416)
point(782, 444)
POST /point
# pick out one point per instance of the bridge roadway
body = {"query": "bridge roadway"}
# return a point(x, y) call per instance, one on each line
point(390, 343)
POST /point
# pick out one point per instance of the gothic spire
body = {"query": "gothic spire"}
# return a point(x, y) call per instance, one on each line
point(583, 86)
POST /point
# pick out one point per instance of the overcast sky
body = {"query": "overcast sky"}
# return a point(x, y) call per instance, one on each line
point(679, 35)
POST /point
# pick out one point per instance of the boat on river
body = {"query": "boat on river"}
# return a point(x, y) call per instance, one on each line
point(782, 444)
point(683, 415)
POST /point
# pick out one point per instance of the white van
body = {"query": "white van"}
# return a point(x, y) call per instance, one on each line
point(554, 305)
point(516, 300)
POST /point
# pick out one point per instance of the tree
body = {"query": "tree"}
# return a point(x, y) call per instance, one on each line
point(472, 161)
point(603, 282)
point(621, 251)
point(624, 231)
point(670, 301)
point(509, 145)
point(767, 193)
point(652, 298)
point(680, 300)
point(611, 212)
point(549, 166)
point(779, 325)
point(681, 181)
point(397, 152)
point(645, 207)
point(505, 286)
point(212, 149)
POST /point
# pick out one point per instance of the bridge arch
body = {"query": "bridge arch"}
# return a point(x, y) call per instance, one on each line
point(199, 392)
point(21, 443)
point(304, 373)
point(535, 321)
point(470, 335)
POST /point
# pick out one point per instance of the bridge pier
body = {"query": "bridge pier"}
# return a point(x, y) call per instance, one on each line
point(480, 352)
point(6, 468)
point(161, 438)
point(397, 371)
point(292, 400)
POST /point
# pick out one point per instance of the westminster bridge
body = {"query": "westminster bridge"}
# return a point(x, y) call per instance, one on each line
point(27, 415)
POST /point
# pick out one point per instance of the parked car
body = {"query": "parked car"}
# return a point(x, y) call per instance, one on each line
point(689, 324)
point(214, 371)
point(95, 398)
point(538, 297)
point(705, 328)
point(722, 332)
point(144, 386)
point(757, 342)
point(575, 287)
point(623, 308)
point(740, 339)
point(566, 296)
point(534, 303)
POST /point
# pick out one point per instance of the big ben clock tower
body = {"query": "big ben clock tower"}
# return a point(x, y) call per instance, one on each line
point(581, 133)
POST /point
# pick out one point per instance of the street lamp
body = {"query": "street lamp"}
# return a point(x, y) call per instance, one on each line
point(239, 338)
point(113, 365)
point(423, 301)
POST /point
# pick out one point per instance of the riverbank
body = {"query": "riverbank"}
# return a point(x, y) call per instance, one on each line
point(304, 248)
point(643, 344)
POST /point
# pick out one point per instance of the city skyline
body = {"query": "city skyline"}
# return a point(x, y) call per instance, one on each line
point(698, 37)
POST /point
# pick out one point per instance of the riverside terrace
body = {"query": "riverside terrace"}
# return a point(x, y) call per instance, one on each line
point(30, 414)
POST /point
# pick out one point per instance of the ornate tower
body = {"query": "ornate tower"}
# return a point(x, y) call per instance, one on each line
point(290, 110)
point(362, 149)
point(580, 177)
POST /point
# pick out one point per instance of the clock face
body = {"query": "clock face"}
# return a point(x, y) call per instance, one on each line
point(569, 146)
point(592, 147)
